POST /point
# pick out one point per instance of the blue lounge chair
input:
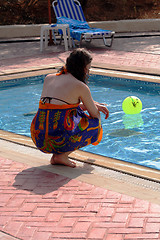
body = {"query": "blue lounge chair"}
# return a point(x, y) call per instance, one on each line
point(70, 12)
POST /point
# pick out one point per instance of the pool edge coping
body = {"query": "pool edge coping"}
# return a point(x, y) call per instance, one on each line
point(96, 68)
point(91, 158)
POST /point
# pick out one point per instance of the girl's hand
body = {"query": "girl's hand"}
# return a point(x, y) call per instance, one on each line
point(104, 104)
point(102, 108)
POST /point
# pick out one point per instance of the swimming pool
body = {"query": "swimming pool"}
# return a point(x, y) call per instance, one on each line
point(131, 138)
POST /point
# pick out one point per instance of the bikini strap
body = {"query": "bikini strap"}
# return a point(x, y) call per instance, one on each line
point(44, 99)
point(61, 100)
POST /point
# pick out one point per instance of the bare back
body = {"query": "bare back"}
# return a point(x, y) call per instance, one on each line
point(69, 89)
point(63, 87)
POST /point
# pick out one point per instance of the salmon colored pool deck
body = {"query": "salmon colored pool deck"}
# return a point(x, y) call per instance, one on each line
point(93, 202)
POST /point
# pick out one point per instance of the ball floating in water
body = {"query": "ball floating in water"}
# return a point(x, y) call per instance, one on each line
point(132, 105)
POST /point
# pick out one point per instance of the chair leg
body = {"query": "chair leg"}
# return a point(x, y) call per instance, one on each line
point(55, 42)
point(111, 41)
point(88, 40)
point(80, 42)
point(61, 39)
point(69, 37)
point(73, 43)
point(65, 40)
point(41, 40)
point(46, 38)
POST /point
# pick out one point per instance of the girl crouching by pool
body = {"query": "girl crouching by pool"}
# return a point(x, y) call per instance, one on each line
point(61, 124)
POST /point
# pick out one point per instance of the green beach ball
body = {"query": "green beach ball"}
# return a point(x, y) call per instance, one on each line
point(132, 105)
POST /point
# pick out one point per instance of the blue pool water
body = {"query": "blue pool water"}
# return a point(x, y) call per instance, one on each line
point(131, 138)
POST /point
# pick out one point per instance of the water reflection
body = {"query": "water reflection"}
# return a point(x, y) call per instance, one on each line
point(132, 121)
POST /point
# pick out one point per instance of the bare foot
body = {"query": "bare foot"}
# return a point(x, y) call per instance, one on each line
point(62, 159)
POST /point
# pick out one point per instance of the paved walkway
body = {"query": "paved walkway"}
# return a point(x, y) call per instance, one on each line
point(135, 54)
point(36, 204)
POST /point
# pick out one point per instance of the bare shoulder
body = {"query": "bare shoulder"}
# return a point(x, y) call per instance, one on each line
point(83, 87)
point(80, 84)
point(49, 77)
point(74, 82)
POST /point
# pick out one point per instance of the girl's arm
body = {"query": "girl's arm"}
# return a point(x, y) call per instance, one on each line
point(90, 105)
point(101, 107)
point(82, 106)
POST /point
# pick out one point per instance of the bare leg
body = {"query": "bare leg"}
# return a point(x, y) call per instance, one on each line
point(62, 159)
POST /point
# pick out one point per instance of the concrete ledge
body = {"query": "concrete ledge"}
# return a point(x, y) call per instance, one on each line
point(18, 31)
point(142, 25)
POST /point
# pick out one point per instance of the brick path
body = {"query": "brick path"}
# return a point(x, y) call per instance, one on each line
point(36, 204)
point(118, 58)
point(132, 52)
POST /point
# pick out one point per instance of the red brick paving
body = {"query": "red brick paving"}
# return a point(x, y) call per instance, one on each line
point(36, 204)
point(118, 58)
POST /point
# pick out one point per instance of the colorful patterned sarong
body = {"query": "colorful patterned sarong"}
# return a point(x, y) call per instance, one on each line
point(63, 128)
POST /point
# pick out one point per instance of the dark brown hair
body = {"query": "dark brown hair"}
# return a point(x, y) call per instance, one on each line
point(76, 63)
